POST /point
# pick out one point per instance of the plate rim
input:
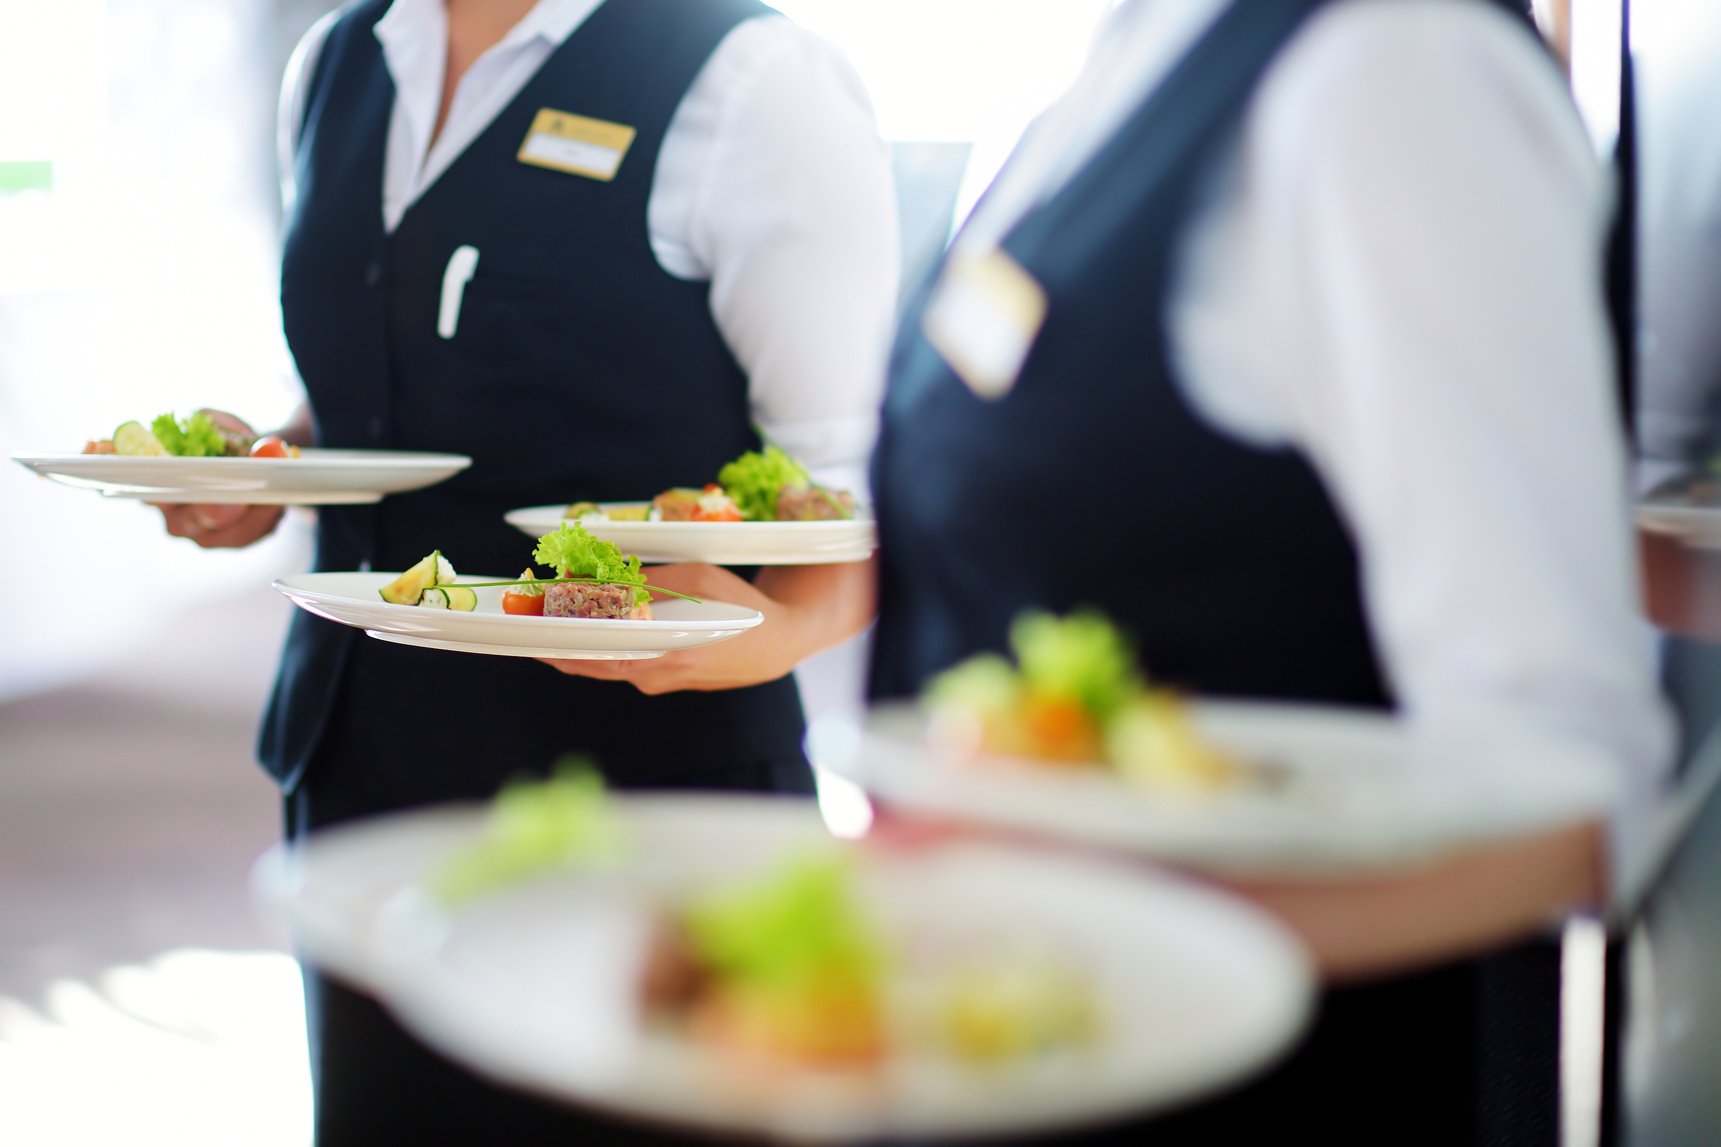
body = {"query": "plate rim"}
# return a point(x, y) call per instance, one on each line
point(1286, 1009)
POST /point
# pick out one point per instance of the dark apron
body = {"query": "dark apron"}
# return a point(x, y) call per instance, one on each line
point(579, 370)
point(1093, 483)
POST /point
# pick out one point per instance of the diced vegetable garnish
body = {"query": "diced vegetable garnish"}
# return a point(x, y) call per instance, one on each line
point(536, 827)
point(792, 965)
point(581, 510)
point(1075, 696)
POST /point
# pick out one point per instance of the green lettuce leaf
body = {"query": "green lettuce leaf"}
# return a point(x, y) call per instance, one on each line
point(756, 480)
point(800, 924)
point(986, 683)
point(573, 552)
point(1082, 657)
point(195, 437)
point(535, 827)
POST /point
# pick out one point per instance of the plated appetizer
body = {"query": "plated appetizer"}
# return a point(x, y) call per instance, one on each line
point(1074, 697)
point(593, 580)
point(790, 970)
point(763, 486)
point(198, 436)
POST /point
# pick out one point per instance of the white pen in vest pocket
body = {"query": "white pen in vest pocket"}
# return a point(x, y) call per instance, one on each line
point(462, 265)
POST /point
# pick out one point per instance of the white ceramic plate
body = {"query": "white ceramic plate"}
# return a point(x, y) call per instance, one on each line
point(318, 478)
point(720, 543)
point(1340, 791)
point(353, 599)
point(536, 986)
point(1686, 508)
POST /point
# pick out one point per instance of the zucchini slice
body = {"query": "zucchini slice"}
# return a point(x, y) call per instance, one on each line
point(409, 587)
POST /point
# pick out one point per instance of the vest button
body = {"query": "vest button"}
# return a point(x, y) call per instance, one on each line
point(373, 274)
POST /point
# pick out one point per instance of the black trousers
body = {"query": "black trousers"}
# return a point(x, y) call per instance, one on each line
point(377, 1086)
point(1464, 1055)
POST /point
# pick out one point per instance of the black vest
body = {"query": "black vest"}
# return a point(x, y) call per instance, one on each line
point(579, 370)
point(1092, 482)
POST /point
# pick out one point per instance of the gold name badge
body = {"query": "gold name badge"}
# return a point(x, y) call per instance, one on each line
point(576, 144)
point(984, 317)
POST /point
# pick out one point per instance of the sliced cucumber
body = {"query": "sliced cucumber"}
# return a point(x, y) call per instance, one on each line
point(134, 439)
point(455, 597)
point(409, 587)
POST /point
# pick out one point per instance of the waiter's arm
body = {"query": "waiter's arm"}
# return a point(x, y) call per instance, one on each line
point(794, 225)
point(807, 609)
point(1477, 900)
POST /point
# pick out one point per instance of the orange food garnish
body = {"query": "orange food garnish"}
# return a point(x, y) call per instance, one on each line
point(1060, 729)
point(523, 604)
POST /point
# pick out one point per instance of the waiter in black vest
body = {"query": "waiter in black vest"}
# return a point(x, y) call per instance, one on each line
point(592, 244)
point(1281, 339)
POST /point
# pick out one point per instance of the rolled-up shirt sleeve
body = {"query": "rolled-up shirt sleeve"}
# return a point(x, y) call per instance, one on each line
point(774, 184)
point(1410, 266)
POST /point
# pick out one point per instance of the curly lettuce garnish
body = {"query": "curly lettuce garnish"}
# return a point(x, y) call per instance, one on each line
point(535, 827)
point(573, 552)
point(799, 926)
point(1081, 658)
point(194, 437)
point(755, 481)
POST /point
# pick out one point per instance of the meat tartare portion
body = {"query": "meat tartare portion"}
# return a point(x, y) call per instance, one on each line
point(614, 602)
point(814, 504)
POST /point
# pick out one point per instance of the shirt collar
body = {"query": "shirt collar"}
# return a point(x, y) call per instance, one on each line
point(553, 20)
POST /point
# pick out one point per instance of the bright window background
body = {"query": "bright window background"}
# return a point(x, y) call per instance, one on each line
point(138, 248)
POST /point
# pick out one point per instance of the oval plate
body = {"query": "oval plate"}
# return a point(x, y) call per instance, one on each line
point(535, 986)
point(318, 478)
point(353, 599)
point(1333, 791)
point(720, 543)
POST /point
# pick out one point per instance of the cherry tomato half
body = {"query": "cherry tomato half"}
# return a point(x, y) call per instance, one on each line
point(271, 447)
point(523, 604)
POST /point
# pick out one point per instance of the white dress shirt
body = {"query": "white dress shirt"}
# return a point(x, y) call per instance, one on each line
point(772, 184)
point(1396, 267)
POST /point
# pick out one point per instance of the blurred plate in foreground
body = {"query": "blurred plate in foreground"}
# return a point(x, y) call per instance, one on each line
point(538, 986)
